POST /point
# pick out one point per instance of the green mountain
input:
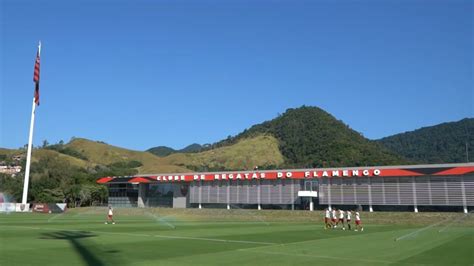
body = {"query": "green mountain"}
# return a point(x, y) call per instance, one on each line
point(443, 143)
point(311, 137)
point(191, 148)
point(163, 151)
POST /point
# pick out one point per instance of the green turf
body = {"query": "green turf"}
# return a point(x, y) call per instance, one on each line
point(168, 237)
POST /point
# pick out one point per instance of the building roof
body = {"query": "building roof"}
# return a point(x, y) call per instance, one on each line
point(312, 173)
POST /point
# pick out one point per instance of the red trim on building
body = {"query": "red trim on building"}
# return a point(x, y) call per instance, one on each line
point(399, 172)
point(139, 180)
point(104, 180)
point(457, 171)
point(299, 174)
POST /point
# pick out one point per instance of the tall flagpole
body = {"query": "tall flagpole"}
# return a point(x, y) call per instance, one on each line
point(28, 156)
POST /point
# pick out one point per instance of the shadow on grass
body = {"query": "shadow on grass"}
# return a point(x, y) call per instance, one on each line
point(80, 244)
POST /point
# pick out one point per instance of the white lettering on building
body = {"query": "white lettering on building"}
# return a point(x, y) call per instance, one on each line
point(261, 175)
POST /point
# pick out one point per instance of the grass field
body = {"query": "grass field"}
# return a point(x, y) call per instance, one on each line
point(235, 237)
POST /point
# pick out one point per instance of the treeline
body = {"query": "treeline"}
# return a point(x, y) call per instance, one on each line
point(444, 143)
point(163, 151)
point(61, 148)
point(53, 179)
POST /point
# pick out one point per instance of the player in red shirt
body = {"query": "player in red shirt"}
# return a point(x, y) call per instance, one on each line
point(341, 219)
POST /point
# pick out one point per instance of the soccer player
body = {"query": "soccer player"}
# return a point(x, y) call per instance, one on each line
point(341, 219)
point(334, 218)
point(327, 219)
point(110, 215)
point(358, 222)
point(348, 219)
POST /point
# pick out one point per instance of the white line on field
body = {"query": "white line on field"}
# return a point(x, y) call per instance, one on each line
point(318, 256)
point(55, 216)
point(148, 235)
point(299, 242)
point(10, 227)
point(454, 221)
point(216, 240)
point(414, 233)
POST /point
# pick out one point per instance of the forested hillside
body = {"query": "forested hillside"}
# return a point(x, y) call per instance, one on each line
point(311, 137)
point(443, 143)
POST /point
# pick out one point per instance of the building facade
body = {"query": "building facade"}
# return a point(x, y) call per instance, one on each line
point(412, 186)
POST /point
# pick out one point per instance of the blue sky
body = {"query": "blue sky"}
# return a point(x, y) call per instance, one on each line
point(144, 73)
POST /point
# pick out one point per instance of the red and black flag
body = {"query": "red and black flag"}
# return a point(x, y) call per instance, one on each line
point(36, 75)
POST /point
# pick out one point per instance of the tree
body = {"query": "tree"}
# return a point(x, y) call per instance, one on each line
point(73, 195)
point(45, 144)
point(85, 194)
point(51, 196)
point(12, 186)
